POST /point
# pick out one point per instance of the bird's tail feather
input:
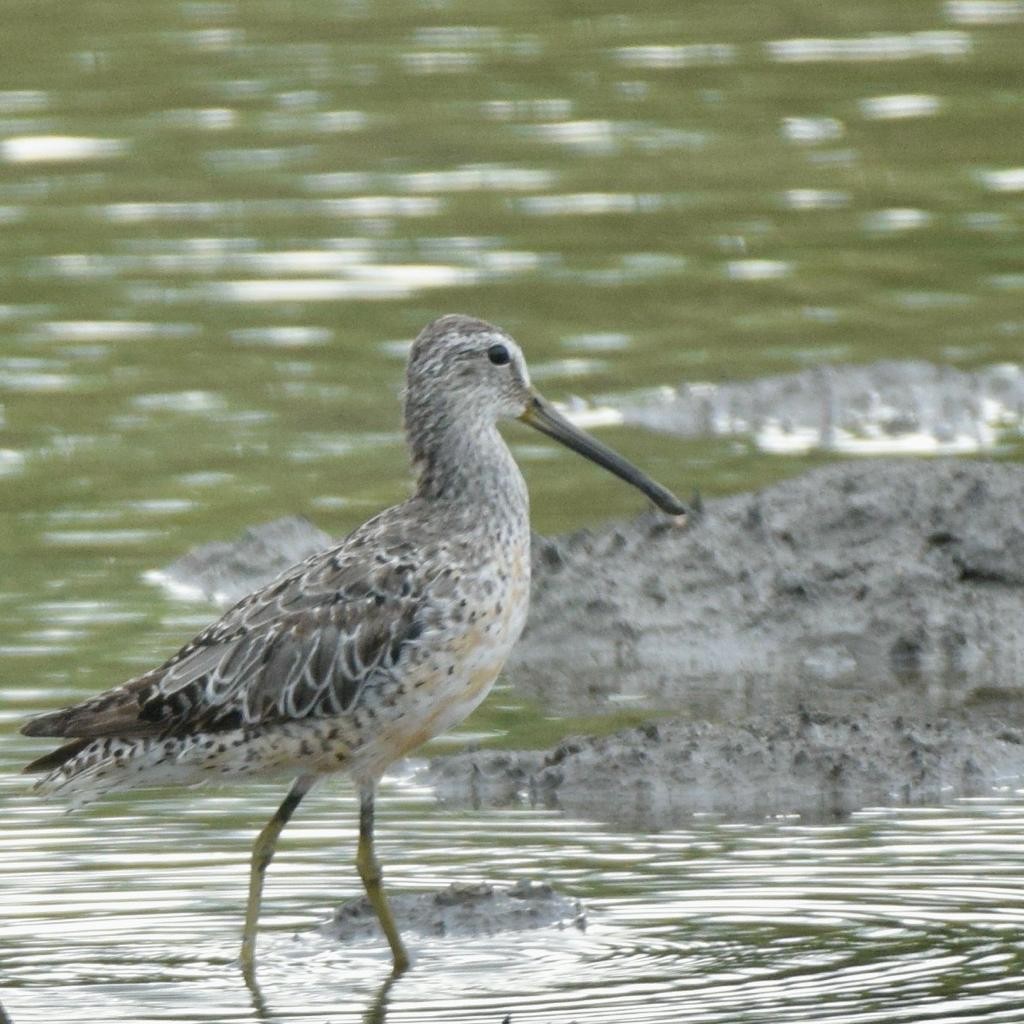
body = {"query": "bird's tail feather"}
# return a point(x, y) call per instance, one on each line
point(85, 769)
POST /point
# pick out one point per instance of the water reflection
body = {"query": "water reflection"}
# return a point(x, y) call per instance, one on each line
point(911, 909)
point(221, 227)
point(881, 47)
point(43, 149)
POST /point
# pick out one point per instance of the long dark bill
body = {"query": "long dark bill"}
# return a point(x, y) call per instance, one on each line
point(541, 416)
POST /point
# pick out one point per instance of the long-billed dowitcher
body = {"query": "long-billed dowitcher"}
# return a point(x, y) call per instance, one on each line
point(356, 656)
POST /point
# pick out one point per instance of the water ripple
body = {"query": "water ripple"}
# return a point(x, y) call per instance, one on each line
point(853, 922)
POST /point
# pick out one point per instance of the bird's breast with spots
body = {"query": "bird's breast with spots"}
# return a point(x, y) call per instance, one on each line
point(461, 652)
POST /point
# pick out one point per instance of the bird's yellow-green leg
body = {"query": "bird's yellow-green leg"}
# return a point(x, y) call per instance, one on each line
point(370, 873)
point(262, 855)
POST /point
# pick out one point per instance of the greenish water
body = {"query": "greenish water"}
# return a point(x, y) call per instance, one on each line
point(220, 222)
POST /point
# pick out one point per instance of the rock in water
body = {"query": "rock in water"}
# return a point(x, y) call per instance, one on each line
point(463, 909)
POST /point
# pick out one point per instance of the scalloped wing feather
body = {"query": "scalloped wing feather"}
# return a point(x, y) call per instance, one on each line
point(303, 646)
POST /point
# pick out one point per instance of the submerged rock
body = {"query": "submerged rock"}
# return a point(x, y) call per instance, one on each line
point(462, 909)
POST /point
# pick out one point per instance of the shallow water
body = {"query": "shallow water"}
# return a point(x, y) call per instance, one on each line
point(221, 223)
point(893, 915)
point(911, 911)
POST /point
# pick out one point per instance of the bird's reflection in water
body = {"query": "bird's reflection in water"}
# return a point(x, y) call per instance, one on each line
point(376, 1009)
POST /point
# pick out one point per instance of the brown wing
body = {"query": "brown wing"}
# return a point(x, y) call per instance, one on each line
point(305, 645)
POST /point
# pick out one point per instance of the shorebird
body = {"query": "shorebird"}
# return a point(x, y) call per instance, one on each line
point(356, 656)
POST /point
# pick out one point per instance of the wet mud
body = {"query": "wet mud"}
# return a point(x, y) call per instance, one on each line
point(854, 583)
point(225, 571)
point(849, 637)
point(816, 765)
point(461, 909)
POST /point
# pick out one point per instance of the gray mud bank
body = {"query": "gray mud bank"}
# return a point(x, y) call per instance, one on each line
point(853, 636)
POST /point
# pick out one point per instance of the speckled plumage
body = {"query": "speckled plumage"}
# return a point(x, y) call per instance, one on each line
point(363, 652)
point(348, 660)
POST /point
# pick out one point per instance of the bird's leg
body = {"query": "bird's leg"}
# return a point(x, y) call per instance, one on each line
point(370, 873)
point(262, 855)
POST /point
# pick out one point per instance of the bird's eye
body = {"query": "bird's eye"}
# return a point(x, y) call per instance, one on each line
point(498, 355)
